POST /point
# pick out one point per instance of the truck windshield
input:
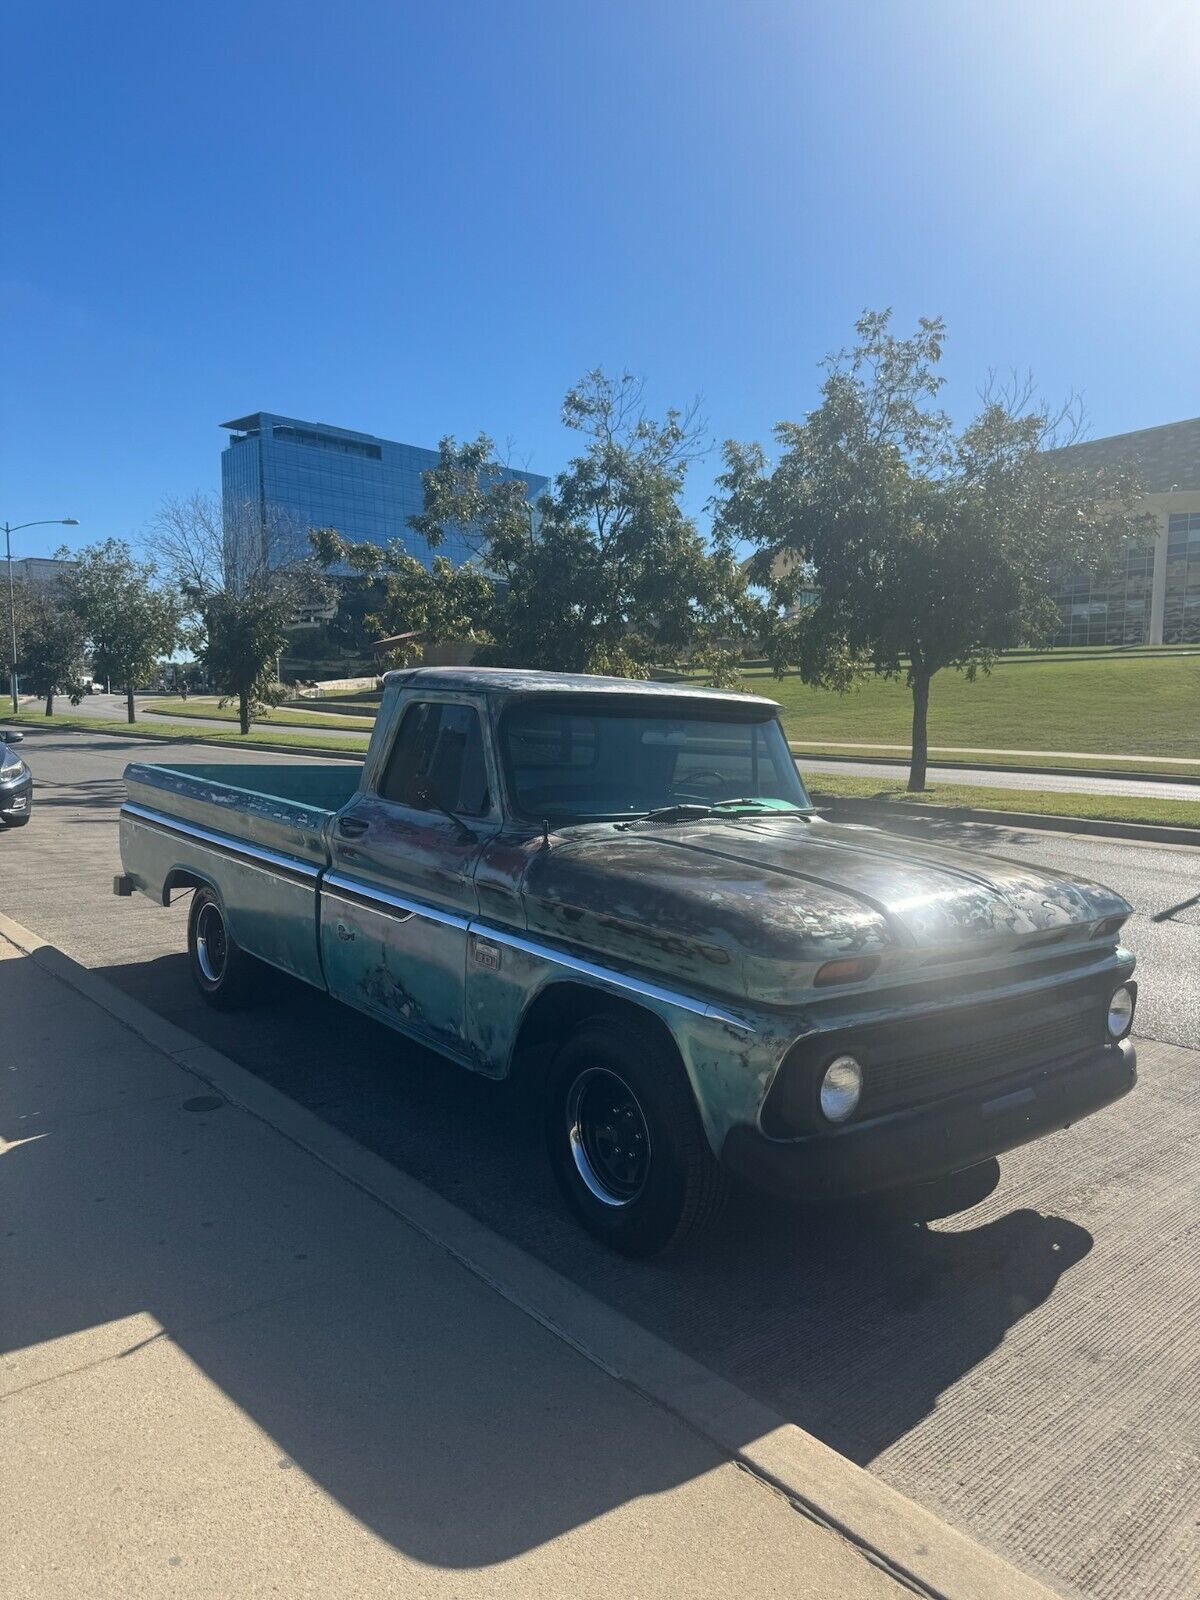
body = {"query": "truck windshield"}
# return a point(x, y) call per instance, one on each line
point(582, 765)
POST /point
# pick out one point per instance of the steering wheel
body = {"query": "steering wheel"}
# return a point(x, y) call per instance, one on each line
point(705, 776)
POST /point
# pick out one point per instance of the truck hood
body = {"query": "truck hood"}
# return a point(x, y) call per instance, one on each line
point(744, 906)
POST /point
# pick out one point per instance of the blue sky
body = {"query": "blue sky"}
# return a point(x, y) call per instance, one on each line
point(427, 218)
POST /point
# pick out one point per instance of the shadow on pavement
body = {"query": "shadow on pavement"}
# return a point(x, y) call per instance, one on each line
point(441, 1417)
point(849, 1328)
point(95, 794)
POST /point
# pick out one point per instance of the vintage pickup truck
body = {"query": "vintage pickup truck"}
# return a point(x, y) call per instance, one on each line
point(624, 887)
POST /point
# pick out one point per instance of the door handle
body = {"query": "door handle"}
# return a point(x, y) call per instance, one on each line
point(352, 827)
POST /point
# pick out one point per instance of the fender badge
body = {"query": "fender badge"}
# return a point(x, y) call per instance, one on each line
point(487, 955)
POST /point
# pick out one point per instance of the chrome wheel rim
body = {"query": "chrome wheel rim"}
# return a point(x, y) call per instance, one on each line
point(212, 942)
point(610, 1141)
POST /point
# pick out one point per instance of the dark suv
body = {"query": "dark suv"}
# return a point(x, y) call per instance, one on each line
point(16, 782)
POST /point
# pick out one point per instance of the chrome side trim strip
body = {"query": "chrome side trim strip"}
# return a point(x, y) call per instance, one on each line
point(252, 854)
point(355, 890)
point(619, 980)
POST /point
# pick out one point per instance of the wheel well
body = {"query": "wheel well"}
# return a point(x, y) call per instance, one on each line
point(562, 1006)
point(181, 878)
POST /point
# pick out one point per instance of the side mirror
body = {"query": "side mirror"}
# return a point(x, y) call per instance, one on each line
point(11, 736)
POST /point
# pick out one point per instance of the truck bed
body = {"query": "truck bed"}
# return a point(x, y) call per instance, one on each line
point(256, 834)
point(277, 806)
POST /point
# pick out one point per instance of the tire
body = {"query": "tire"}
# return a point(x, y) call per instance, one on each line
point(625, 1139)
point(222, 971)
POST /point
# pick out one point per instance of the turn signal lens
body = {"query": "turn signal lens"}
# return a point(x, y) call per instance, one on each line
point(849, 969)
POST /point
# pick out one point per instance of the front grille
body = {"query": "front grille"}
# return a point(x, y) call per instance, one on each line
point(914, 1060)
point(966, 1062)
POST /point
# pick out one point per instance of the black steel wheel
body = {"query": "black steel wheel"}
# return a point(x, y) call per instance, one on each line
point(222, 971)
point(610, 1142)
point(625, 1138)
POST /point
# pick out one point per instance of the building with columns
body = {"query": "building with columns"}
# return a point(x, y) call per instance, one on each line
point(1154, 596)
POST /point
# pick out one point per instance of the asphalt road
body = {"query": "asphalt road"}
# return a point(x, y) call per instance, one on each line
point(113, 707)
point(1029, 1368)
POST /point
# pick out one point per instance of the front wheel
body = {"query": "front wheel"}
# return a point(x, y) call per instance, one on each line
point(221, 969)
point(625, 1138)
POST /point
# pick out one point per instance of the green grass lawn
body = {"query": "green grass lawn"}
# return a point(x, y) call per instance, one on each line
point(159, 731)
point(1107, 808)
point(1147, 706)
point(1131, 765)
point(280, 717)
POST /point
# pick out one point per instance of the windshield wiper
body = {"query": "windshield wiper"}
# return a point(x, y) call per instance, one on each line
point(689, 812)
point(752, 805)
point(726, 810)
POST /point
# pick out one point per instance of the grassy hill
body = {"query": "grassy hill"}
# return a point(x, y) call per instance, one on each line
point(1148, 706)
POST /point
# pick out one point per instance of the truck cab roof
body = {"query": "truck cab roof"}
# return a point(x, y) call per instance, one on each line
point(512, 683)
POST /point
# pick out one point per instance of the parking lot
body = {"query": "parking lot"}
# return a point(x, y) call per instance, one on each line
point(1028, 1369)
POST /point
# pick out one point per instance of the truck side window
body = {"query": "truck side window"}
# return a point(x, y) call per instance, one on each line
point(440, 746)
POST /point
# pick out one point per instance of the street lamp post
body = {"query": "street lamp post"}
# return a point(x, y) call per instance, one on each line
point(48, 522)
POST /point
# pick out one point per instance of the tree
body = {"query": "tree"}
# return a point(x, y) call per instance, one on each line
point(52, 641)
point(931, 548)
point(605, 572)
point(240, 596)
point(445, 603)
point(129, 619)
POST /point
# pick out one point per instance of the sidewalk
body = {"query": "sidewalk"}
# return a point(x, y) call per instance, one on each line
point(229, 1370)
point(979, 750)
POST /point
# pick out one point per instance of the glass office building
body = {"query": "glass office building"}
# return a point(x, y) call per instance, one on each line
point(281, 476)
point(1152, 596)
point(1181, 610)
point(1109, 608)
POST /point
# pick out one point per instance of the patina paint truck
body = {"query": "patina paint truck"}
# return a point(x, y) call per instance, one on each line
point(624, 888)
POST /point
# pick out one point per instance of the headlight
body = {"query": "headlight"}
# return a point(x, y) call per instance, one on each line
point(12, 770)
point(840, 1088)
point(1120, 1011)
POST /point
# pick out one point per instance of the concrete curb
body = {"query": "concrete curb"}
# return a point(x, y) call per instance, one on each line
point(1126, 773)
point(1044, 821)
point(903, 1539)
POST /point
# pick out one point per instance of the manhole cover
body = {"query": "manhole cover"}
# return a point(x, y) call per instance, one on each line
point(204, 1102)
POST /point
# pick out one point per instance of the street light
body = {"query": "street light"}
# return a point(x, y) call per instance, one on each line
point(48, 522)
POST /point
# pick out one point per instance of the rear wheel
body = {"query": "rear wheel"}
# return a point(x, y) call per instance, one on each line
point(223, 972)
point(625, 1138)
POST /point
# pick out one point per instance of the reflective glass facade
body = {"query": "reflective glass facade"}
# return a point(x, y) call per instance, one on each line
point(1181, 607)
point(1154, 595)
point(1110, 609)
point(287, 476)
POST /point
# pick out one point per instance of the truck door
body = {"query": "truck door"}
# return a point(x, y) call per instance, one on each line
point(399, 894)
